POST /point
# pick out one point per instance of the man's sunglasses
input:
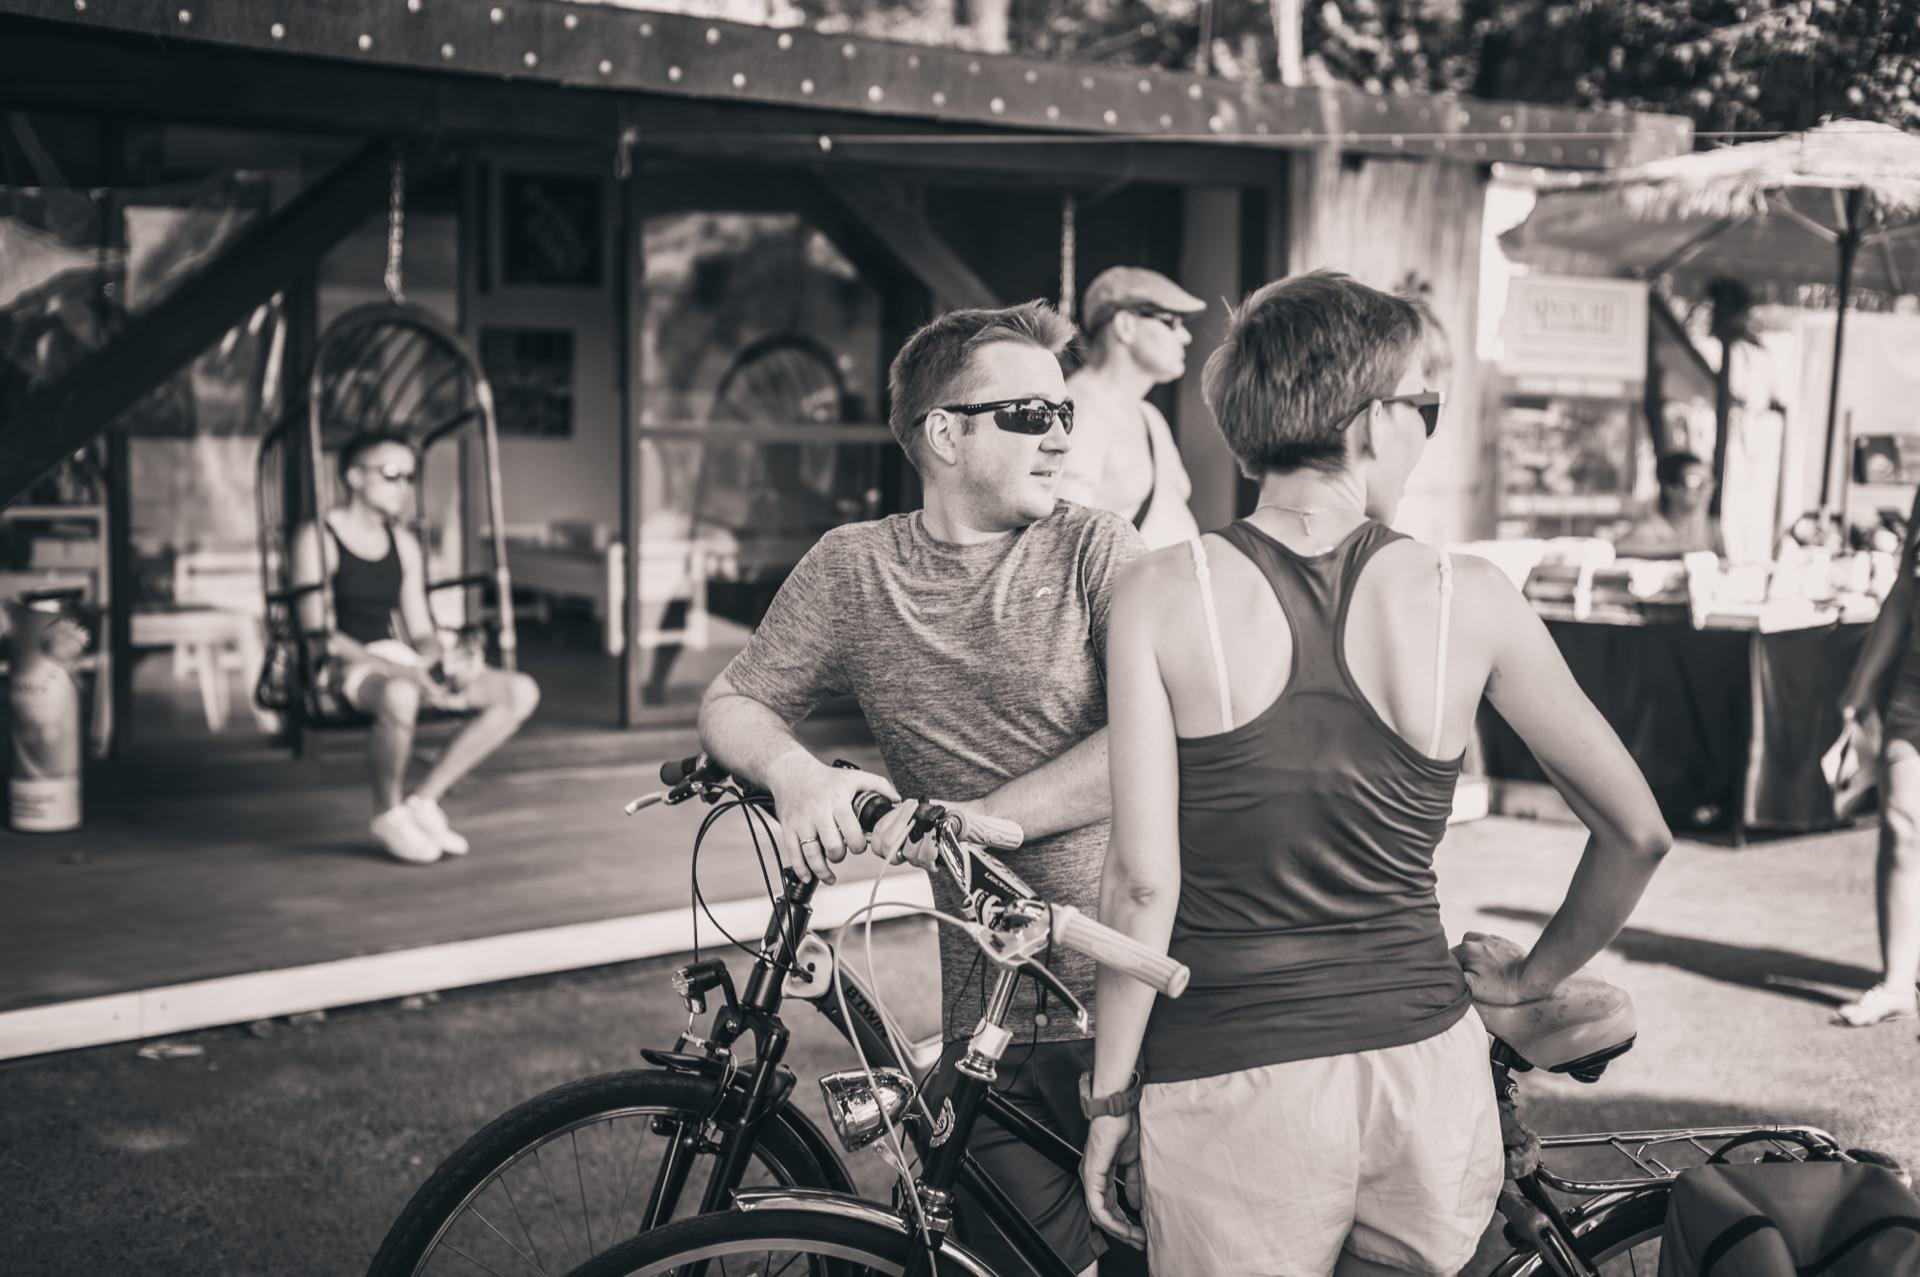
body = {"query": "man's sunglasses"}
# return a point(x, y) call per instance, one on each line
point(1171, 319)
point(1029, 416)
point(392, 474)
point(1427, 403)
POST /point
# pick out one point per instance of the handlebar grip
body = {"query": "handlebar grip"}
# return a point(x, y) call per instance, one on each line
point(698, 766)
point(871, 808)
point(1123, 953)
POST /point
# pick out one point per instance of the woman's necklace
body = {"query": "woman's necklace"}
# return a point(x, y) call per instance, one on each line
point(1304, 514)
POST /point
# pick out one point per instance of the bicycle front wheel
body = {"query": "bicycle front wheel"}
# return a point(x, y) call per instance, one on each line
point(794, 1242)
point(559, 1179)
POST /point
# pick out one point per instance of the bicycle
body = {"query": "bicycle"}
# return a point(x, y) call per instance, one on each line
point(497, 1205)
point(1612, 1228)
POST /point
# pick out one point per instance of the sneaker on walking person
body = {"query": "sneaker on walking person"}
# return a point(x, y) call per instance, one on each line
point(428, 815)
point(401, 835)
point(1878, 1005)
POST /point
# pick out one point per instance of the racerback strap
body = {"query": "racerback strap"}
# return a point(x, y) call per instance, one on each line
point(1440, 653)
point(1204, 576)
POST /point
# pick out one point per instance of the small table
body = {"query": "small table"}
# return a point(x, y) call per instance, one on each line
point(203, 636)
point(1727, 723)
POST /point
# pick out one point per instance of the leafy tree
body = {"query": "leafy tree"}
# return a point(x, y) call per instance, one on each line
point(1731, 65)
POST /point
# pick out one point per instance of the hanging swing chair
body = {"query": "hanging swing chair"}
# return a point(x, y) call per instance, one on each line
point(394, 369)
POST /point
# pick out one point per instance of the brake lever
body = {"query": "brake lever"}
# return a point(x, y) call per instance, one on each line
point(1082, 1018)
point(1015, 948)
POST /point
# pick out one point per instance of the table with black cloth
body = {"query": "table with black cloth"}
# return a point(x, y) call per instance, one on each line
point(1728, 725)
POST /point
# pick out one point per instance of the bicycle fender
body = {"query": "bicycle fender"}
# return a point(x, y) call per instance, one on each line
point(847, 1206)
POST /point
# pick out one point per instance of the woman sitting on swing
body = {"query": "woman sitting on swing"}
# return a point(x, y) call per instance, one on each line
point(384, 657)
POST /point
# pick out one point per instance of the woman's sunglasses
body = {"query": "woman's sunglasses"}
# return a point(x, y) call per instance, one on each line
point(1427, 403)
point(1030, 416)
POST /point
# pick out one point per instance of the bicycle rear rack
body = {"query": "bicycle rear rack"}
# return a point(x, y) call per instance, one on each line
point(1659, 1156)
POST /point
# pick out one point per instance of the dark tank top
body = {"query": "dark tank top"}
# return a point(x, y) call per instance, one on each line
point(365, 591)
point(1307, 911)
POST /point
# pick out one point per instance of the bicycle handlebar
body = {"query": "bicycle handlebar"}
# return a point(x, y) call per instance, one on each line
point(1121, 952)
point(989, 885)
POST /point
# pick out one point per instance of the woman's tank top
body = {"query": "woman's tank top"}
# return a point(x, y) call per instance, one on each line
point(365, 591)
point(1307, 911)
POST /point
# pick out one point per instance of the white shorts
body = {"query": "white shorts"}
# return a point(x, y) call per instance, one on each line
point(355, 675)
point(1392, 1154)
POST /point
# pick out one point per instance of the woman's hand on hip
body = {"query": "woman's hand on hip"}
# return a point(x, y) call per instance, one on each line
point(1112, 1156)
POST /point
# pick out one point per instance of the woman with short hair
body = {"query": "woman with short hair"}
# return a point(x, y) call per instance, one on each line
point(1290, 699)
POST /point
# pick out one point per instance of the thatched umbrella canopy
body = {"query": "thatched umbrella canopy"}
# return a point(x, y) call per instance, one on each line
point(1837, 205)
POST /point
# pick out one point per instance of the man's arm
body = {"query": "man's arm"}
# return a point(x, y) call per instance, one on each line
point(1069, 792)
point(814, 801)
point(789, 666)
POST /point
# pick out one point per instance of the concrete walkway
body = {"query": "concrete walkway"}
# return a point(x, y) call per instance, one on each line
point(291, 1153)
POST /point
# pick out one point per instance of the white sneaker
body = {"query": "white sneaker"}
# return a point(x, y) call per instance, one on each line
point(396, 830)
point(427, 814)
point(1878, 1005)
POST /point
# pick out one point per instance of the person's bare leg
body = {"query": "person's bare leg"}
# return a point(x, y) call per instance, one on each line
point(510, 700)
point(395, 705)
point(1897, 877)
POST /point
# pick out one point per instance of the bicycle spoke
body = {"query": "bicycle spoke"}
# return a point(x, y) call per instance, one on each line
point(620, 1190)
point(784, 1267)
point(540, 1160)
point(537, 1267)
point(481, 1263)
point(533, 1242)
point(580, 1178)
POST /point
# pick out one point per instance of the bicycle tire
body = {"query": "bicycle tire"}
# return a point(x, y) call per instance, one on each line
point(836, 1246)
point(1623, 1242)
point(488, 1159)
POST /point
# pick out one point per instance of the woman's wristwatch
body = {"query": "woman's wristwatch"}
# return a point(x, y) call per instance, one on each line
point(1119, 1104)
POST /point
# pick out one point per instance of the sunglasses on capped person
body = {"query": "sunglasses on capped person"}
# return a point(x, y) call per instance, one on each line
point(1171, 319)
point(1029, 416)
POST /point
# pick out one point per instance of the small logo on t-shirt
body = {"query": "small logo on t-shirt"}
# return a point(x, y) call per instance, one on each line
point(1043, 591)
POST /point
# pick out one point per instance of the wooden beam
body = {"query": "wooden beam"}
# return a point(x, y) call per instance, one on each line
point(45, 68)
point(157, 342)
point(886, 213)
point(604, 50)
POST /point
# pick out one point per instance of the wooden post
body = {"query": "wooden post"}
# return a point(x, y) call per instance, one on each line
point(631, 263)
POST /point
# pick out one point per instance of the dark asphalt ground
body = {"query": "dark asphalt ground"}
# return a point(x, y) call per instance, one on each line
point(290, 1153)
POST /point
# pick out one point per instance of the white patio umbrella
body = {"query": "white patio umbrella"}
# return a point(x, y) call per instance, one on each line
point(1837, 206)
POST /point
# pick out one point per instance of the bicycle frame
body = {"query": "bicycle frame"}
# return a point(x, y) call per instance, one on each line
point(751, 1094)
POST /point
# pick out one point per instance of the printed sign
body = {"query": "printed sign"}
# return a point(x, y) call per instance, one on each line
point(1589, 330)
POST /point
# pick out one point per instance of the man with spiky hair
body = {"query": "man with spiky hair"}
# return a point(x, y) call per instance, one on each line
point(973, 634)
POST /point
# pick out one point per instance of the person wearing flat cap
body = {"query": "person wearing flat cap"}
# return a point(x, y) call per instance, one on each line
point(1123, 457)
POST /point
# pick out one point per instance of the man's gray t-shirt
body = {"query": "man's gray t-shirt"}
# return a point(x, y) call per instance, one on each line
point(973, 664)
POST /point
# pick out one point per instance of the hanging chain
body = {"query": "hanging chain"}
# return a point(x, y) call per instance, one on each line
point(396, 225)
point(1069, 212)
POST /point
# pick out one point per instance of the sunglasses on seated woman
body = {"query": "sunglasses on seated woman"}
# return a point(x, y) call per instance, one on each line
point(1029, 416)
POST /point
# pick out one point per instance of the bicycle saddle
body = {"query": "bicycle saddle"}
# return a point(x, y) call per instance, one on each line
point(1583, 1025)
